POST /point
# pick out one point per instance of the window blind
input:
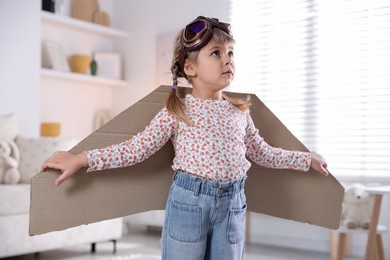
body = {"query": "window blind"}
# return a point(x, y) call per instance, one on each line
point(323, 67)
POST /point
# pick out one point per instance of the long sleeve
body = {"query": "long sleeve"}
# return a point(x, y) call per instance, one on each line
point(136, 149)
point(259, 151)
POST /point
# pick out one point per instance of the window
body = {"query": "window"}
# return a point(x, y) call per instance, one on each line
point(323, 67)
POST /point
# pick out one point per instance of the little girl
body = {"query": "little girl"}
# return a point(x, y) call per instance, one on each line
point(212, 135)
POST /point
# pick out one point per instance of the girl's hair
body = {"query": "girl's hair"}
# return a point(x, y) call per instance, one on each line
point(174, 103)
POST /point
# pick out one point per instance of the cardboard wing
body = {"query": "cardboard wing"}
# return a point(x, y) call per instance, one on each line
point(92, 197)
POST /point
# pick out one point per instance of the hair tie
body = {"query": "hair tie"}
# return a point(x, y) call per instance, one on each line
point(174, 87)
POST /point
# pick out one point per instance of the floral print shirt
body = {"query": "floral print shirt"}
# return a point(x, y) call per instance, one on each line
point(215, 146)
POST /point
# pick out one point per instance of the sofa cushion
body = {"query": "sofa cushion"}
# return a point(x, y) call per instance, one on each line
point(8, 127)
point(34, 151)
point(14, 199)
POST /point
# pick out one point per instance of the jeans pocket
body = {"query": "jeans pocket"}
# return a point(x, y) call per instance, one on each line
point(236, 225)
point(185, 222)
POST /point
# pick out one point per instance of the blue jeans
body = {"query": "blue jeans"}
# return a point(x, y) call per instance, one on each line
point(204, 220)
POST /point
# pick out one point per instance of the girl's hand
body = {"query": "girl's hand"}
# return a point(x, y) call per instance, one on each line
point(67, 163)
point(319, 163)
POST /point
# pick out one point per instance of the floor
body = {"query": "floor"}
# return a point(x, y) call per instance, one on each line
point(145, 245)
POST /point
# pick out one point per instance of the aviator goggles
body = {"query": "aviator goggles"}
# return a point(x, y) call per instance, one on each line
point(197, 34)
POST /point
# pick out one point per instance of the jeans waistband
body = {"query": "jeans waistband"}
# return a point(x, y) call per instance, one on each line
point(203, 186)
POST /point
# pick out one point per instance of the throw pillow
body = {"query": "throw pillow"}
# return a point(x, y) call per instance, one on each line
point(9, 162)
point(34, 151)
point(8, 127)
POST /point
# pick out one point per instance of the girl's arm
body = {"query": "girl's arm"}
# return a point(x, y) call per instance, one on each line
point(259, 151)
point(136, 149)
point(132, 151)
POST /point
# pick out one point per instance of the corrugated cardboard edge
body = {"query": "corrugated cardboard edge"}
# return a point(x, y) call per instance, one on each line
point(88, 198)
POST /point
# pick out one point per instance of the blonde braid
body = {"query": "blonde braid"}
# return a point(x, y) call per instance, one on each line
point(174, 70)
point(174, 103)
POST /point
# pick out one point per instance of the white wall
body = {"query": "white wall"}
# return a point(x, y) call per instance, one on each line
point(23, 92)
point(75, 104)
point(20, 62)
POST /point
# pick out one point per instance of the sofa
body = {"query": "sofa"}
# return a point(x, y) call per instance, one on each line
point(15, 198)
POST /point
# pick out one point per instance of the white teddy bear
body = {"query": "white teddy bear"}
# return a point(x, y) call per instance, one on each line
point(356, 207)
point(9, 162)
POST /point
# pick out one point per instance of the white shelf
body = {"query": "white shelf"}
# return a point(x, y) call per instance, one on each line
point(60, 20)
point(62, 75)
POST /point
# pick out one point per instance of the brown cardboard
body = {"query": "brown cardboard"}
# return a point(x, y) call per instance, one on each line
point(91, 197)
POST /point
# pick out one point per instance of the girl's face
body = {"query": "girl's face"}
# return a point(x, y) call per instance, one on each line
point(214, 67)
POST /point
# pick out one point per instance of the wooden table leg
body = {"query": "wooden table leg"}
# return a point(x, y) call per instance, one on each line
point(373, 227)
point(333, 236)
point(341, 244)
point(379, 245)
